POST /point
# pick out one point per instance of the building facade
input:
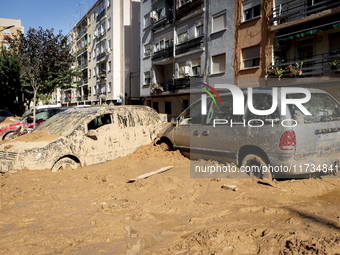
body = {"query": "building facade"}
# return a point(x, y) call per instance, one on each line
point(105, 45)
point(184, 43)
point(8, 27)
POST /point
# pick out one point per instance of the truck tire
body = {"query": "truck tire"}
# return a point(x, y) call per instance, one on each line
point(63, 164)
point(254, 164)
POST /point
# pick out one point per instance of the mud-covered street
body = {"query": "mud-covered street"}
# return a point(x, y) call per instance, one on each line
point(94, 210)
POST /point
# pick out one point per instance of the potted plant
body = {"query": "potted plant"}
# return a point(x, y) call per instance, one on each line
point(156, 88)
point(102, 76)
point(334, 64)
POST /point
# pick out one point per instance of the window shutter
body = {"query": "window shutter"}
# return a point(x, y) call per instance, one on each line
point(219, 23)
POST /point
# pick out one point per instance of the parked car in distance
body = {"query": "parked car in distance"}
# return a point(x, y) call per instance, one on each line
point(81, 137)
point(310, 147)
point(27, 122)
point(4, 114)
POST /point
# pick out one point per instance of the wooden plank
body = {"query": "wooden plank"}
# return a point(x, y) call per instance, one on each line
point(144, 176)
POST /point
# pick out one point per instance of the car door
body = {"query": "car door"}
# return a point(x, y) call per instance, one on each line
point(222, 133)
point(99, 139)
point(188, 130)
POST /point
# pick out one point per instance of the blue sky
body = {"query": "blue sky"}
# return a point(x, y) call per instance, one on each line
point(45, 13)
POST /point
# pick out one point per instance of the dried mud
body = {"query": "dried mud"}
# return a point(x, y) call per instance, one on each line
point(94, 210)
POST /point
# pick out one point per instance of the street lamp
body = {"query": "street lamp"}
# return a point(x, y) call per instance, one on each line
point(6, 28)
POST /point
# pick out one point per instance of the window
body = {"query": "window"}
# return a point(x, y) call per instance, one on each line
point(90, 73)
point(199, 28)
point(157, 47)
point(109, 66)
point(147, 21)
point(183, 37)
point(262, 102)
point(7, 31)
point(185, 104)
point(7, 46)
point(94, 53)
point(196, 66)
point(167, 107)
point(147, 50)
point(219, 23)
point(147, 79)
point(251, 9)
point(109, 23)
point(99, 121)
point(161, 44)
point(94, 71)
point(182, 69)
point(89, 39)
point(109, 88)
point(108, 3)
point(89, 56)
point(93, 15)
point(166, 44)
point(109, 45)
point(155, 106)
point(218, 64)
point(251, 57)
point(334, 43)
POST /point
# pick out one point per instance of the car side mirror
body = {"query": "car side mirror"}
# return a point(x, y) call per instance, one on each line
point(92, 134)
point(174, 121)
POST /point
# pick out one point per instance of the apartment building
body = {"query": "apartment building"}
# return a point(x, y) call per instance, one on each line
point(105, 42)
point(184, 43)
point(306, 34)
point(253, 41)
point(8, 27)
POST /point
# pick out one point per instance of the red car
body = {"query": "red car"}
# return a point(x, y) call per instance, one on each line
point(6, 132)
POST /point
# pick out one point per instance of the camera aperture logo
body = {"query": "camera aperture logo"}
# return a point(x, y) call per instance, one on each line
point(239, 104)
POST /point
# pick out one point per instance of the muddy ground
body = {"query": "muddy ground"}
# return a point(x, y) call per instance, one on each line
point(94, 210)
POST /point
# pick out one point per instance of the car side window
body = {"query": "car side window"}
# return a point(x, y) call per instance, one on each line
point(99, 121)
point(221, 112)
point(192, 115)
point(262, 102)
point(43, 115)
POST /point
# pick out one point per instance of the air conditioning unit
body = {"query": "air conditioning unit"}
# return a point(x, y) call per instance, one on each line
point(153, 15)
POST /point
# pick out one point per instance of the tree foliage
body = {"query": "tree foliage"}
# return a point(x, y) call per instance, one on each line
point(10, 86)
point(44, 60)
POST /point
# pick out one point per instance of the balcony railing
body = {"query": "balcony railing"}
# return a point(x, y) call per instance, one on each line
point(318, 65)
point(163, 54)
point(101, 35)
point(180, 83)
point(297, 9)
point(190, 45)
point(100, 15)
point(81, 51)
point(162, 21)
point(85, 97)
point(84, 65)
point(84, 31)
point(101, 76)
point(189, 8)
point(100, 56)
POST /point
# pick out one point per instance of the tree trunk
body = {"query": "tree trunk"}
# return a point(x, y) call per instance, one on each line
point(34, 102)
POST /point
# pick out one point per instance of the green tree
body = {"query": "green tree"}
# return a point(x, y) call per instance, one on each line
point(10, 85)
point(44, 61)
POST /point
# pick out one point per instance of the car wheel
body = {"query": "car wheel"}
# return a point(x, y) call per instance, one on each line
point(8, 136)
point(165, 146)
point(253, 165)
point(64, 163)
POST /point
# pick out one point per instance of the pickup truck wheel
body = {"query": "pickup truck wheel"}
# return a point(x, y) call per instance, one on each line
point(253, 165)
point(64, 163)
point(165, 146)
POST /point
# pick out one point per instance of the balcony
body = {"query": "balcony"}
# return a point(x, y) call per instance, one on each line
point(188, 8)
point(84, 65)
point(317, 65)
point(81, 51)
point(297, 9)
point(101, 76)
point(100, 56)
point(100, 15)
point(190, 45)
point(83, 32)
point(101, 35)
point(163, 54)
point(180, 83)
point(85, 97)
point(162, 21)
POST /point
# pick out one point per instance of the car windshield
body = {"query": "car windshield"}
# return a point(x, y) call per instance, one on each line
point(64, 122)
point(322, 107)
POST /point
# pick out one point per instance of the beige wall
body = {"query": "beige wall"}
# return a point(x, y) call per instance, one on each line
point(252, 33)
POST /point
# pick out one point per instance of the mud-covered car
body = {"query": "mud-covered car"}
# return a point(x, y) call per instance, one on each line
point(26, 122)
point(291, 144)
point(82, 137)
